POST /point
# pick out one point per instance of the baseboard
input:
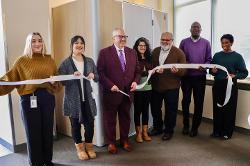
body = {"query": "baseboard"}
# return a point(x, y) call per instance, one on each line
point(13, 148)
point(7, 145)
point(20, 147)
point(17, 148)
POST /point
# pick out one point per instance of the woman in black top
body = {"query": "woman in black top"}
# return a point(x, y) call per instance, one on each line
point(224, 117)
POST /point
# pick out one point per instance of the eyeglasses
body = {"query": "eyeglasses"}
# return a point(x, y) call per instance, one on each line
point(121, 36)
point(166, 40)
point(142, 45)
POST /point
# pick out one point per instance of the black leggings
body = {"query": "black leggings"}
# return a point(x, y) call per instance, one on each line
point(88, 124)
point(141, 105)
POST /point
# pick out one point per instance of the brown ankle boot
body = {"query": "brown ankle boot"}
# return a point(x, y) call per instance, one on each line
point(145, 133)
point(138, 137)
point(90, 150)
point(80, 148)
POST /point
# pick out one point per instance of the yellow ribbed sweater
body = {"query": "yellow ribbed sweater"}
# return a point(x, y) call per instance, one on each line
point(27, 68)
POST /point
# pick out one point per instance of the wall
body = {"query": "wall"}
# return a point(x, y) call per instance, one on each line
point(110, 21)
point(161, 5)
point(243, 109)
point(55, 3)
point(168, 7)
point(5, 127)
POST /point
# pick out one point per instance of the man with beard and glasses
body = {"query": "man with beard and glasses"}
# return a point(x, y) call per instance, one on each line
point(165, 85)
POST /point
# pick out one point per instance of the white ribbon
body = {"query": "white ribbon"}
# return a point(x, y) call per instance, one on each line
point(41, 81)
point(53, 79)
point(124, 93)
point(249, 119)
point(165, 66)
point(194, 66)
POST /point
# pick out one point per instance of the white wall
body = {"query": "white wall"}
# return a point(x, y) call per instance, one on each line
point(243, 109)
point(5, 127)
point(21, 18)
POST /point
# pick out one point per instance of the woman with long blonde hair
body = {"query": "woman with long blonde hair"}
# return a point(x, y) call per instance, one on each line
point(37, 101)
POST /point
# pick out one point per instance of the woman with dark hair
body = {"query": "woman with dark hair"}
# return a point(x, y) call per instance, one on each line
point(224, 117)
point(79, 104)
point(143, 96)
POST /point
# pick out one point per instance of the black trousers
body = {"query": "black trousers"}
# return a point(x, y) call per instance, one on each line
point(170, 98)
point(141, 107)
point(88, 123)
point(224, 117)
point(38, 124)
point(197, 85)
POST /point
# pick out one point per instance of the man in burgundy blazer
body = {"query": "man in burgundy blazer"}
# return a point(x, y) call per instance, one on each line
point(118, 70)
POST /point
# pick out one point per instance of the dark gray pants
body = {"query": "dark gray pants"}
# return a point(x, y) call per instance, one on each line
point(197, 86)
point(170, 98)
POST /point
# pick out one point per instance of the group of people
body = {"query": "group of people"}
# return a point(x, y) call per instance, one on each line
point(119, 70)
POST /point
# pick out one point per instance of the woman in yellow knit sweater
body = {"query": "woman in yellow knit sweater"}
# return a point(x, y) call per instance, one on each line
point(37, 101)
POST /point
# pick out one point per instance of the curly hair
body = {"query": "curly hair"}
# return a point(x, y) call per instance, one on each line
point(147, 52)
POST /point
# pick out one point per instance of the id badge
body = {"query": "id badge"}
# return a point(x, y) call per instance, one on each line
point(33, 101)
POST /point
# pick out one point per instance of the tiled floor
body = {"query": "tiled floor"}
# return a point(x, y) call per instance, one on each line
point(4, 151)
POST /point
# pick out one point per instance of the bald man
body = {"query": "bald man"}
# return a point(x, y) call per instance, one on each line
point(166, 84)
point(197, 50)
point(118, 69)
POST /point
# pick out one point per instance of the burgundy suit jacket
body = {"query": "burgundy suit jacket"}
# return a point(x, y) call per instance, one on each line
point(110, 73)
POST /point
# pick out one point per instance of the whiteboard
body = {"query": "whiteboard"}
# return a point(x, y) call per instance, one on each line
point(137, 22)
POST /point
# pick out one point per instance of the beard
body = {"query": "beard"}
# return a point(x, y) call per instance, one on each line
point(166, 47)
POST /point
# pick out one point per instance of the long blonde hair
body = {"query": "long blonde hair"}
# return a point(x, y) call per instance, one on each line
point(28, 49)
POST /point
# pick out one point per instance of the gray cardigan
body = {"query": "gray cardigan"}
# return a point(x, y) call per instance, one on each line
point(72, 95)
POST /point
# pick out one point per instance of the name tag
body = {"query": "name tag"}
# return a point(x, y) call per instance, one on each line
point(33, 102)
